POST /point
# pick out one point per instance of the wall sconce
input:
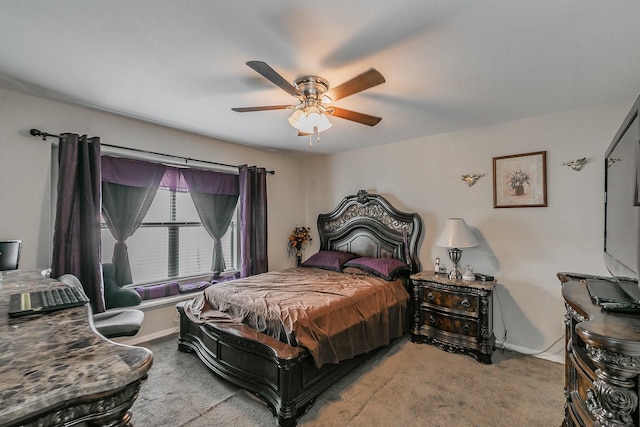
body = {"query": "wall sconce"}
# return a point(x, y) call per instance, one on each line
point(471, 179)
point(577, 164)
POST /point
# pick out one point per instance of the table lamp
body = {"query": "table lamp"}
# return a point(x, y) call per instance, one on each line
point(455, 235)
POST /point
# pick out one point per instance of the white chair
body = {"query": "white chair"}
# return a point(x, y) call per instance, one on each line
point(124, 322)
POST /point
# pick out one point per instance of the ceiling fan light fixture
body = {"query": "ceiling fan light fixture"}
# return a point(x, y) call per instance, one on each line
point(294, 119)
point(314, 123)
point(309, 120)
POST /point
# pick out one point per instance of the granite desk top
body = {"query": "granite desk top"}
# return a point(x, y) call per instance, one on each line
point(48, 359)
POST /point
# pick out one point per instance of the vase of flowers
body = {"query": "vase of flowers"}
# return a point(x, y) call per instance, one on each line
point(299, 237)
point(517, 179)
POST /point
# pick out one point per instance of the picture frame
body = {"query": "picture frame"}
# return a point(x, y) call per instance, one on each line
point(520, 180)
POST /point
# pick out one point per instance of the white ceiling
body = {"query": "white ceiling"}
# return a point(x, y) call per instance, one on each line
point(448, 64)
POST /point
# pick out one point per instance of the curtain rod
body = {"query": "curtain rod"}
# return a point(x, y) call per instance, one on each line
point(45, 135)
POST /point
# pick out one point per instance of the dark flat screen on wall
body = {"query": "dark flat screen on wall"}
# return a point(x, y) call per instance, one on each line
point(622, 210)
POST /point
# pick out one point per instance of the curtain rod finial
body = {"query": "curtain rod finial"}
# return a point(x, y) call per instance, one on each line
point(36, 132)
point(44, 135)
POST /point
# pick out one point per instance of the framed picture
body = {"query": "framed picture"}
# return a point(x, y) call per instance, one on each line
point(520, 180)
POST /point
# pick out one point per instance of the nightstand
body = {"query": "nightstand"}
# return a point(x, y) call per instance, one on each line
point(455, 315)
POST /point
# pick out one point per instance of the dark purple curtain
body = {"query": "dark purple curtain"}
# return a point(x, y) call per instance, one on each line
point(76, 237)
point(215, 196)
point(128, 189)
point(253, 220)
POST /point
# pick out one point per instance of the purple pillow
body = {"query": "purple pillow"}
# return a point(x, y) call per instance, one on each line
point(328, 260)
point(387, 268)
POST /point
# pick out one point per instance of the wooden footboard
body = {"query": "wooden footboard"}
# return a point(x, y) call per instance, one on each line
point(283, 376)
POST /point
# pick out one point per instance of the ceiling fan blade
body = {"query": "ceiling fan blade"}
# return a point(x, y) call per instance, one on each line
point(368, 79)
point(266, 108)
point(354, 116)
point(275, 78)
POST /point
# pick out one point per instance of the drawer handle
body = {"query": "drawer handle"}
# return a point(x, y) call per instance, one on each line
point(465, 303)
point(430, 297)
point(432, 319)
point(466, 328)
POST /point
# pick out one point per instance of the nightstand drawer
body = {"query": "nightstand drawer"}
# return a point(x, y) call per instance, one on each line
point(461, 326)
point(451, 301)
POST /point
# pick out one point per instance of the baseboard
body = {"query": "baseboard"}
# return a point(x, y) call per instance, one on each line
point(557, 358)
point(553, 357)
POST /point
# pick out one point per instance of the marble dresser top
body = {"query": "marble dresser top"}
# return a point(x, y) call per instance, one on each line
point(49, 359)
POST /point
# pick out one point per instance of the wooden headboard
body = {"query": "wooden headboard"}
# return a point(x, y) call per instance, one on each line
point(368, 225)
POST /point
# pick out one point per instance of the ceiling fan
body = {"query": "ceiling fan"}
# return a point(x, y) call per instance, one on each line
point(314, 96)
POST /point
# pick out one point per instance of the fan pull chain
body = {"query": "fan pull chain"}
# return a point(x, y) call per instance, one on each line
point(315, 132)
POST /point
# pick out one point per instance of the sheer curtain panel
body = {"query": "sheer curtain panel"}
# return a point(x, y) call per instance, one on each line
point(128, 189)
point(215, 196)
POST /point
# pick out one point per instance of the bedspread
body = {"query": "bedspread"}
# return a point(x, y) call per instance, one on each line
point(336, 316)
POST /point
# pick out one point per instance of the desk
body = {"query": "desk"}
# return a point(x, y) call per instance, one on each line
point(55, 369)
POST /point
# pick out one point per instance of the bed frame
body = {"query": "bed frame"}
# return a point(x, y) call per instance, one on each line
point(285, 376)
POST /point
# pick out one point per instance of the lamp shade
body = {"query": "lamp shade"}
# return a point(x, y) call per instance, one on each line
point(309, 120)
point(456, 234)
point(295, 118)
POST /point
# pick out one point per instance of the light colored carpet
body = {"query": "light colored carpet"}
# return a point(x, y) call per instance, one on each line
point(405, 384)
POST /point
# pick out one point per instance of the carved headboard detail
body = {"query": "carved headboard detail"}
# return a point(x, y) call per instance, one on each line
point(368, 225)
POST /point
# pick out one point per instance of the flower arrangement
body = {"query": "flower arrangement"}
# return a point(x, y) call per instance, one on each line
point(518, 178)
point(299, 236)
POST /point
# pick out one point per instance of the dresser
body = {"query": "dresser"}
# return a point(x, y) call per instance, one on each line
point(602, 359)
point(56, 370)
point(455, 315)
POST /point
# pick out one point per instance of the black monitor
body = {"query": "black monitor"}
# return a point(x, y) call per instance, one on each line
point(10, 254)
point(622, 205)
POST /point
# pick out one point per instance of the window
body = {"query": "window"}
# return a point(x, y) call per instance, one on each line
point(171, 242)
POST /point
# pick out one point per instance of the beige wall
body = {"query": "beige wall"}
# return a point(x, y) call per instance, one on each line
point(25, 168)
point(523, 247)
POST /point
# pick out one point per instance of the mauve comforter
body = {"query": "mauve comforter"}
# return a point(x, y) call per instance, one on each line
point(336, 316)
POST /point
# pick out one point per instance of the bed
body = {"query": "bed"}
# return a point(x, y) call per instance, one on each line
point(275, 359)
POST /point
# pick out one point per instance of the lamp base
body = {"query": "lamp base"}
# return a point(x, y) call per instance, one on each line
point(454, 255)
